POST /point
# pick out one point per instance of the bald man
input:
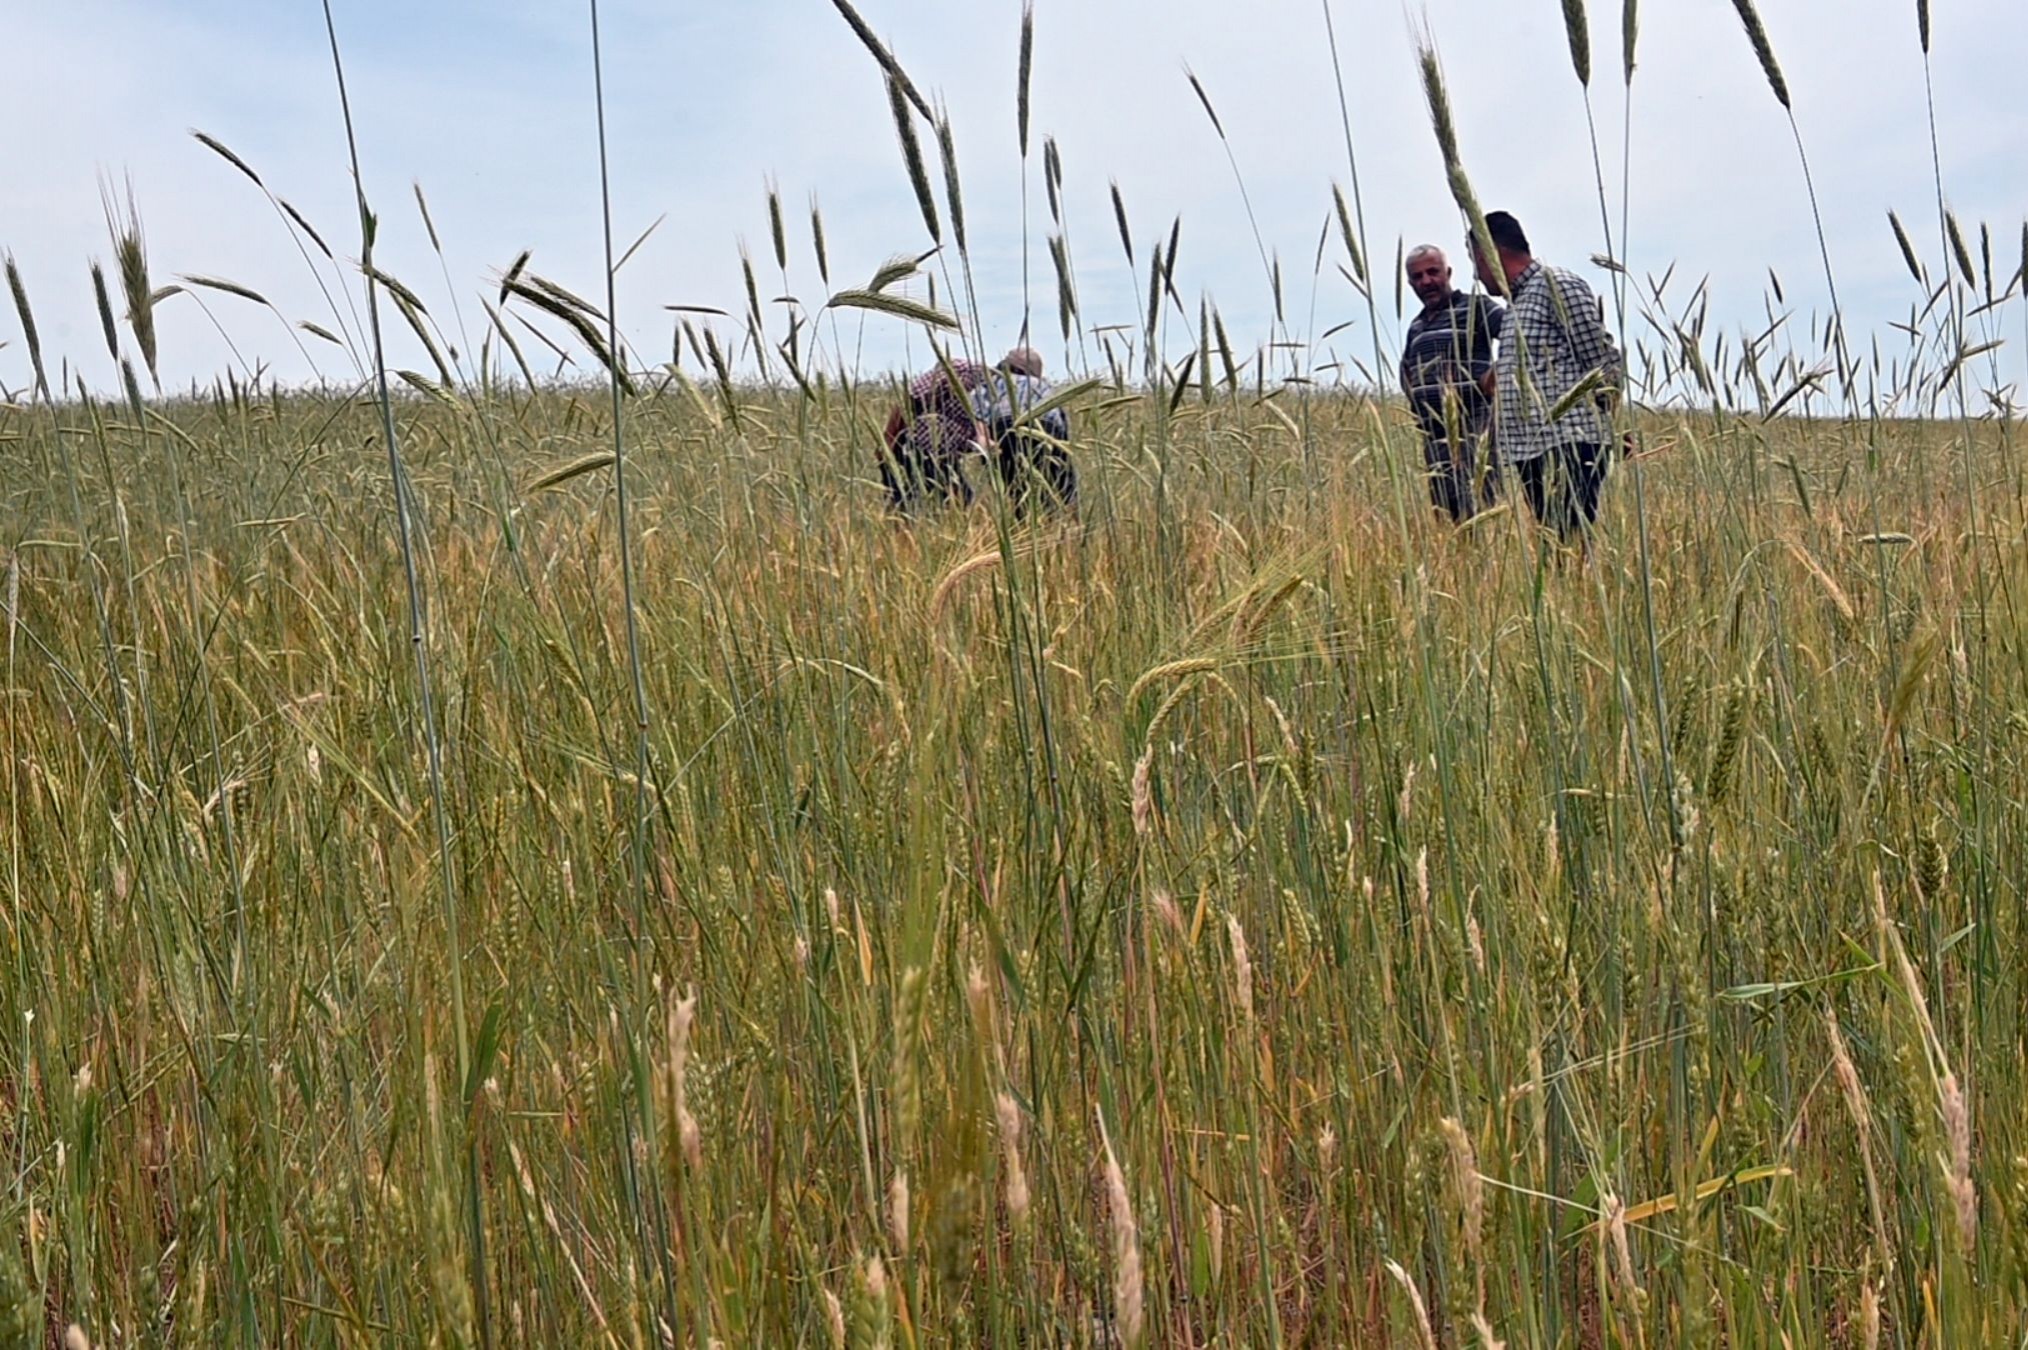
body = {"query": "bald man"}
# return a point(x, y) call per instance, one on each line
point(1447, 374)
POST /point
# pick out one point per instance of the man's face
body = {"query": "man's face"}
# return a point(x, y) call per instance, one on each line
point(1429, 276)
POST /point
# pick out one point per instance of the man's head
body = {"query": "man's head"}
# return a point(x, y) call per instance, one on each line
point(1429, 275)
point(1023, 361)
point(1511, 243)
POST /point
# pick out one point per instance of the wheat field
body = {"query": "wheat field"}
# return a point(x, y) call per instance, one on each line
point(625, 888)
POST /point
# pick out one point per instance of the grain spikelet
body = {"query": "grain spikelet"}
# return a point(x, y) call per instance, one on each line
point(1424, 1334)
point(1907, 249)
point(1841, 601)
point(900, 306)
point(223, 285)
point(219, 148)
point(1127, 1280)
point(1170, 670)
point(576, 468)
point(1023, 73)
point(302, 222)
point(1578, 30)
point(1960, 251)
point(954, 198)
point(895, 74)
point(912, 160)
point(1763, 50)
point(27, 320)
point(1120, 217)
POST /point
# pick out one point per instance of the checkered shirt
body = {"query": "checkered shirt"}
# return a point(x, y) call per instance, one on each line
point(941, 419)
point(1554, 337)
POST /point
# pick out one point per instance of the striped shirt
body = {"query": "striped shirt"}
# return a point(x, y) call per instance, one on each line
point(1446, 355)
point(1555, 336)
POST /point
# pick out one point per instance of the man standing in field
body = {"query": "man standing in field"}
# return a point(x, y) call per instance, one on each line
point(1447, 374)
point(1556, 382)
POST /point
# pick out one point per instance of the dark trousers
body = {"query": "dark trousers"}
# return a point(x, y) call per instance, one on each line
point(910, 476)
point(1029, 463)
point(1562, 486)
point(1453, 470)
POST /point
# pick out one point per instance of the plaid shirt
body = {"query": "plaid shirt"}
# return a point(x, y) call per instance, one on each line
point(939, 420)
point(1554, 337)
point(1012, 395)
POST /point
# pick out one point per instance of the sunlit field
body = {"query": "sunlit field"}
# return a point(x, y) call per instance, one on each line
point(1325, 886)
point(629, 888)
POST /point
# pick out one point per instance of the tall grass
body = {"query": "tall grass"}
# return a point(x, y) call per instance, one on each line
point(1247, 914)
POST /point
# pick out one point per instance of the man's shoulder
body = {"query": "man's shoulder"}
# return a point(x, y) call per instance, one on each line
point(1567, 281)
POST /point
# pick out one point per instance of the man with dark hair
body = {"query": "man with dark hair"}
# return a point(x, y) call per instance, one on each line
point(1554, 342)
point(1447, 374)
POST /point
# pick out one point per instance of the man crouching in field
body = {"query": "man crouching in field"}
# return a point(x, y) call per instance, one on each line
point(1447, 374)
point(933, 429)
point(1554, 342)
point(963, 408)
point(1034, 450)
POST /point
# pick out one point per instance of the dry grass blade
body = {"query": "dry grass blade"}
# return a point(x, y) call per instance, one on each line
point(911, 156)
point(1763, 50)
point(635, 247)
point(901, 307)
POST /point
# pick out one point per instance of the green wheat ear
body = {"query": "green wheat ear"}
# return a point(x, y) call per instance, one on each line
point(1763, 50)
point(911, 154)
point(1578, 31)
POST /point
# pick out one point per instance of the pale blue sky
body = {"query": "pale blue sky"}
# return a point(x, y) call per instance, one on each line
point(489, 107)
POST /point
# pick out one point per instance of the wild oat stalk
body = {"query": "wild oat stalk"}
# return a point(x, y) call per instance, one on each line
point(419, 646)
